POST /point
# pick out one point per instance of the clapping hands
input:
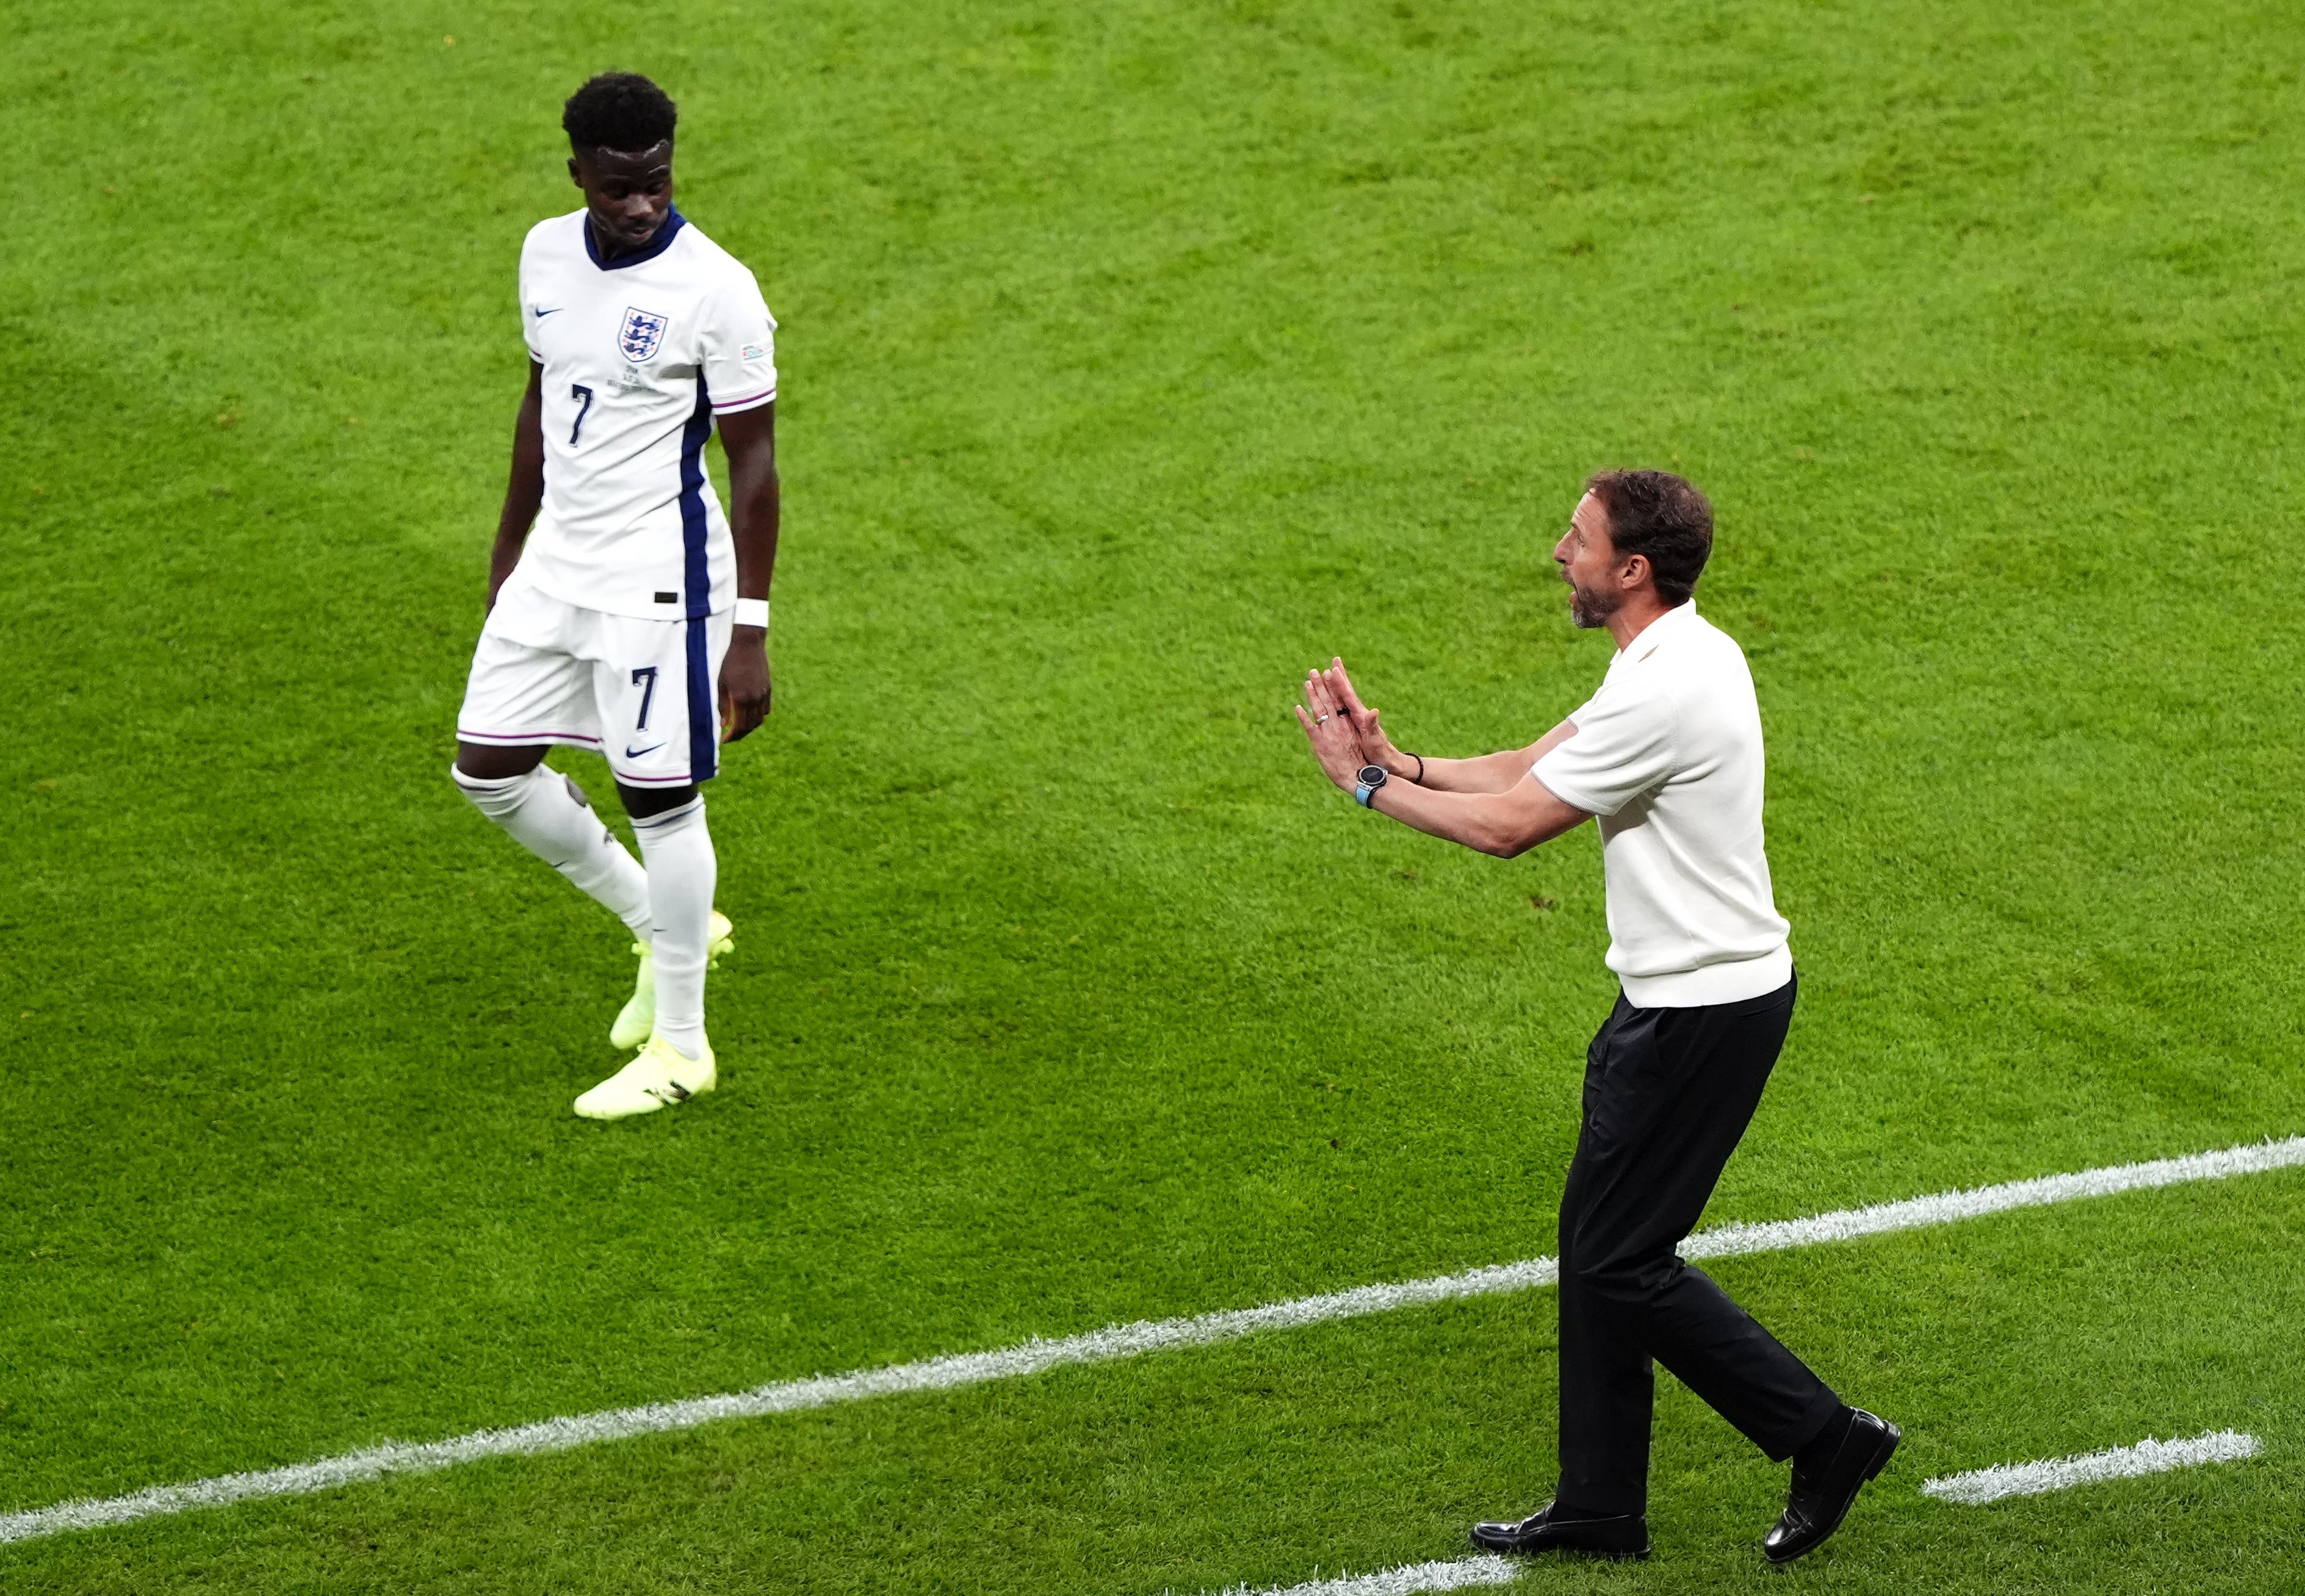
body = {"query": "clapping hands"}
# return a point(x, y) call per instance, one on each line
point(1345, 734)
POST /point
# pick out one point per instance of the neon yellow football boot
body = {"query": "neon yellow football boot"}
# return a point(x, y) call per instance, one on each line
point(638, 1018)
point(658, 1077)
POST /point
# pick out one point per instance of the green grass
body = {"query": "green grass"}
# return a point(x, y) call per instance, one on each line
point(1136, 357)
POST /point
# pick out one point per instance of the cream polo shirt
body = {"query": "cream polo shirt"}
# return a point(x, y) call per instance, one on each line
point(1668, 755)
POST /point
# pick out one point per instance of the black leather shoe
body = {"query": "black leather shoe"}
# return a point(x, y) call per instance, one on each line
point(1821, 1496)
point(1626, 1535)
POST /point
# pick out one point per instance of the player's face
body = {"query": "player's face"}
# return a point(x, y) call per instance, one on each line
point(1588, 564)
point(629, 194)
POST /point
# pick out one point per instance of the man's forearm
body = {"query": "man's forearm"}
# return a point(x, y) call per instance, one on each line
point(1487, 773)
point(756, 509)
point(1503, 824)
point(523, 499)
point(756, 499)
point(525, 488)
point(750, 441)
point(1498, 772)
point(503, 556)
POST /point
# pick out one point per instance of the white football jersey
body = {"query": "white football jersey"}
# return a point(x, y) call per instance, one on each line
point(639, 354)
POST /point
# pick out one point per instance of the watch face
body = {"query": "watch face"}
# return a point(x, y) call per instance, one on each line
point(1372, 775)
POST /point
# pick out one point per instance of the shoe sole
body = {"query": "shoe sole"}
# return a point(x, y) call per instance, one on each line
point(1871, 1475)
point(658, 1104)
point(1609, 1554)
point(620, 1114)
point(1564, 1551)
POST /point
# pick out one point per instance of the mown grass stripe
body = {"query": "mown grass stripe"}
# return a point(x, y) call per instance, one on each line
point(2148, 1457)
point(1110, 1344)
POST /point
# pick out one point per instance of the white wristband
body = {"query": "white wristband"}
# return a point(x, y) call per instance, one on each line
point(752, 612)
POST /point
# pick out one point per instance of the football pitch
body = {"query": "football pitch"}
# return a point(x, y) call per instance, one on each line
point(1135, 357)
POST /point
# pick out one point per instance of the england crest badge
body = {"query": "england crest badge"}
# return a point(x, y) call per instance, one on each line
point(643, 331)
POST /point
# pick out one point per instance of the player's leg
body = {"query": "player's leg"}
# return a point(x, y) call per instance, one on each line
point(635, 1022)
point(523, 695)
point(676, 846)
point(676, 746)
point(675, 1062)
point(655, 690)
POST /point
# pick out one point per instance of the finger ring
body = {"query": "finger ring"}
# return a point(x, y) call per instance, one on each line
point(1320, 720)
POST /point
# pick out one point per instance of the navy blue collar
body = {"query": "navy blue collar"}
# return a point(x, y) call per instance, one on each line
point(650, 250)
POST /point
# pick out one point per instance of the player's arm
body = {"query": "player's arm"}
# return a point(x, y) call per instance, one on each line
point(525, 493)
point(749, 437)
point(1499, 772)
point(1504, 823)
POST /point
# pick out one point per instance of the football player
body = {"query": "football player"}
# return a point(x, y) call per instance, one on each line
point(627, 612)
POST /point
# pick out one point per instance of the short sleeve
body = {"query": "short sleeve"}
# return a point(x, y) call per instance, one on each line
point(1622, 750)
point(740, 348)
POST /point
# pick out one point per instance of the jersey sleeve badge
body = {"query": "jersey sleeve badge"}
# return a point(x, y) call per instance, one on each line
point(641, 335)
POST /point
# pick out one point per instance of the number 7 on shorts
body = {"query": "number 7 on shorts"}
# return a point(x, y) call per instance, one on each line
point(644, 678)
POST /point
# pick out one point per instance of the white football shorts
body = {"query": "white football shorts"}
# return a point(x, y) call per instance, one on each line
point(646, 693)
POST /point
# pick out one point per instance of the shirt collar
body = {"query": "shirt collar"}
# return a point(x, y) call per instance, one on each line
point(1657, 631)
point(673, 223)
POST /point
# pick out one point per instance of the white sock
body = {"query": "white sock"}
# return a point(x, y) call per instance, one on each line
point(547, 814)
point(681, 876)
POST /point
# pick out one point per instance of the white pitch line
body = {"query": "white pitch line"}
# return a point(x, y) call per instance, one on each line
point(1462, 1574)
point(2148, 1457)
point(1105, 1346)
point(1729, 1241)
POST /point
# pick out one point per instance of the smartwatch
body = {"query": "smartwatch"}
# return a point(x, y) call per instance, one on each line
point(1371, 777)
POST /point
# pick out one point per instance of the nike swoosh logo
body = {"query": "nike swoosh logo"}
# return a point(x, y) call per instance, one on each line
point(634, 753)
point(540, 312)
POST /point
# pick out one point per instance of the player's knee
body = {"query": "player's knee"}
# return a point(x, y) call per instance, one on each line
point(644, 804)
point(499, 798)
point(487, 761)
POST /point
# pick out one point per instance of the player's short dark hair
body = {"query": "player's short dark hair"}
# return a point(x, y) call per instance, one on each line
point(619, 111)
point(1663, 519)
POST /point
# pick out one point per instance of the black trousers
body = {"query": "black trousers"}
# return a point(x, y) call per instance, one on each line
point(1668, 1094)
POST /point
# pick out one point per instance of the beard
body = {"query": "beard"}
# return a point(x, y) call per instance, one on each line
point(1588, 608)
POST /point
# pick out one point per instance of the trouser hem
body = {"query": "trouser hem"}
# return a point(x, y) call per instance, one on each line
point(1822, 1409)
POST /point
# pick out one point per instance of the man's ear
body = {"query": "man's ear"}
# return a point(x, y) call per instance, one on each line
point(1635, 572)
point(574, 175)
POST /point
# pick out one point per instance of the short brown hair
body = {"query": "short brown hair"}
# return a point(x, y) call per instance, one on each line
point(1663, 519)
